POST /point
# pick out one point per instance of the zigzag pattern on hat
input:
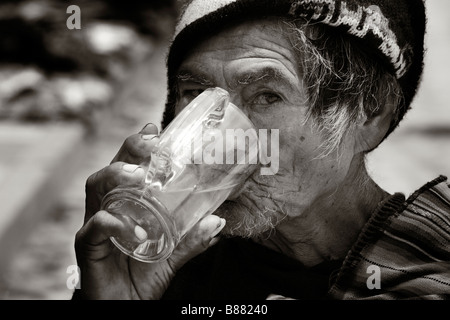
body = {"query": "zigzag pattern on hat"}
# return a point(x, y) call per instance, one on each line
point(360, 21)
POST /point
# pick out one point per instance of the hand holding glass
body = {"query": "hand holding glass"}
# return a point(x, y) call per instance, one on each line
point(193, 169)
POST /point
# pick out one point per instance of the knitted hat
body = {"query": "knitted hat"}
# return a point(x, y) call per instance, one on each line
point(393, 28)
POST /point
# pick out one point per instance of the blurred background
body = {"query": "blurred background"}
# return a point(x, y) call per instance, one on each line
point(69, 97)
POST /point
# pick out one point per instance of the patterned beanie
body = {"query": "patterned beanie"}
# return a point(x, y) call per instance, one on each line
point(393, 28)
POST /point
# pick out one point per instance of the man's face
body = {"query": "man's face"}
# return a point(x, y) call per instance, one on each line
point(256, 63)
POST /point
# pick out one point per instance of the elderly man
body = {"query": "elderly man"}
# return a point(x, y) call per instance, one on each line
point(335, 77)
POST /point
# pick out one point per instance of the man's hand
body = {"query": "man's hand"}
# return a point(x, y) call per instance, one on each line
point(106, 273)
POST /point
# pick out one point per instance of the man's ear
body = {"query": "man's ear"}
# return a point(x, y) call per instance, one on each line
point(370, 131)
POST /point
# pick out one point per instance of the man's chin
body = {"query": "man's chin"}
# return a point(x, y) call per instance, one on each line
point(244, 221)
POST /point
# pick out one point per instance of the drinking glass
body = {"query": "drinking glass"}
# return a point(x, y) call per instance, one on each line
point(208, 150)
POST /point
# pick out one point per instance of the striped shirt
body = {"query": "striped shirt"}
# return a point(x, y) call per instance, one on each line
point(403, 251)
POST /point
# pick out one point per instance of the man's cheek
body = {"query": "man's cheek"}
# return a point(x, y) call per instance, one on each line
point(283, 159)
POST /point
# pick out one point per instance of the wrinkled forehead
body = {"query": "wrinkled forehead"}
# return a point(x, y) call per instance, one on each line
point(270, 33)
point(236, 59)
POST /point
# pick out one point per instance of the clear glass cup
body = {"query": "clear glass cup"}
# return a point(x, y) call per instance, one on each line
point(204, 153)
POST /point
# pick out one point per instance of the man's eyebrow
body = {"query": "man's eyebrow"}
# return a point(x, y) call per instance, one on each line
point(242, 78)
point(187, 76)
point(263, 74)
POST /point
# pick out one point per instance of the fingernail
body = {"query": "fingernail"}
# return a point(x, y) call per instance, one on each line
point(130, 168)
point(149, 127)
point(140, 233)
point(221, 224)
point(148, 136)
point(213, 241)
point(219, 227)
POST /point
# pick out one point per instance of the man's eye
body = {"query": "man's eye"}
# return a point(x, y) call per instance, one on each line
point(266, 98)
